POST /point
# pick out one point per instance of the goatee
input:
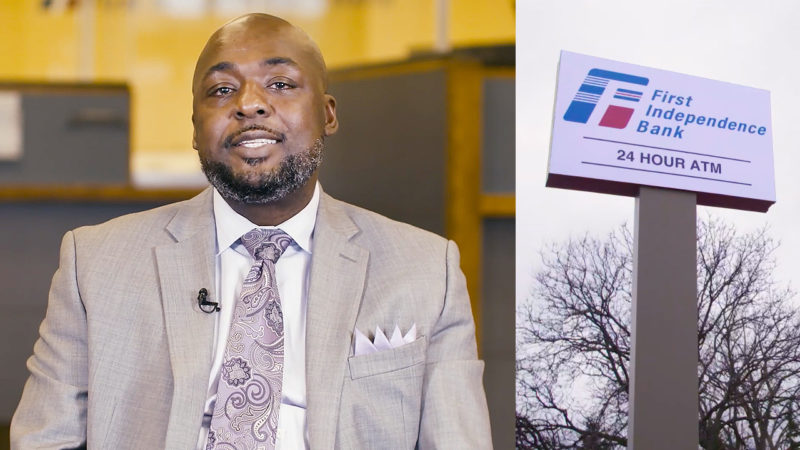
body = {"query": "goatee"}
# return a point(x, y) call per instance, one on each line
point(291, 174)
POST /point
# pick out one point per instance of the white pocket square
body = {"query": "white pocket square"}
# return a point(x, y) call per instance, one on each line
point(363, 346)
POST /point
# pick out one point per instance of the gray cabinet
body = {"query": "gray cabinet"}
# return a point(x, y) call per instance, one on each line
point(71, 135)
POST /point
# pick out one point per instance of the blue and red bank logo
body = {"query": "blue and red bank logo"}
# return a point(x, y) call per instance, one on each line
point(593, 87)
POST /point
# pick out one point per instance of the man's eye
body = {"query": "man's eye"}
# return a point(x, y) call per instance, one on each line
point(281, 85)
point(222, 91)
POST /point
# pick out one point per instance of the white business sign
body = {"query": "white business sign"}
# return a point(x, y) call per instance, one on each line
point(618, 126)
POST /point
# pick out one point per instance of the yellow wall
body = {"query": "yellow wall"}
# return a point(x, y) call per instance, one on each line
point(155, 53)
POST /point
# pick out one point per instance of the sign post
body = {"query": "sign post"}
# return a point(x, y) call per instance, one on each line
point(673, 141)
point(663, 401)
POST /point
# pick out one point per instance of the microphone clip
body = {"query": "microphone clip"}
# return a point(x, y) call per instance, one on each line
point(205, 305)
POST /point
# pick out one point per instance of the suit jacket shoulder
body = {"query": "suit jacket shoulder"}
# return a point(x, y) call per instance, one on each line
point(379, 232)
point(168, 222)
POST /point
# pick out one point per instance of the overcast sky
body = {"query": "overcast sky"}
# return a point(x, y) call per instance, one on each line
point(743, 42)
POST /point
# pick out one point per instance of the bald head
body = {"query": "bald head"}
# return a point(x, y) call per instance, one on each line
point(253, 30)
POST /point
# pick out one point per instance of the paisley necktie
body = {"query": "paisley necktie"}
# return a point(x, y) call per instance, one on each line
point(249, 390)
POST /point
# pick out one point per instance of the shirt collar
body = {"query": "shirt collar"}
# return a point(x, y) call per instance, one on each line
point(231, 225)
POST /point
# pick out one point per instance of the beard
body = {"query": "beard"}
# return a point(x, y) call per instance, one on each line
point(291, 174)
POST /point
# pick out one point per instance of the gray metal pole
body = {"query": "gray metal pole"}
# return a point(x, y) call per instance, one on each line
point(663, 408)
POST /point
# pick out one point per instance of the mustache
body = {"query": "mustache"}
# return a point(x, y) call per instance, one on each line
point(228, 142)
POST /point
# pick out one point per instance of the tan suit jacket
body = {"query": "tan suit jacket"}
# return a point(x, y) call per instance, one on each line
point(124, 352)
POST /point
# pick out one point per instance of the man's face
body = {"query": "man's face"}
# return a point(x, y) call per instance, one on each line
point(260, 111)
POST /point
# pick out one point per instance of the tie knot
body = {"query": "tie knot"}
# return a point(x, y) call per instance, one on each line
point(266, 244)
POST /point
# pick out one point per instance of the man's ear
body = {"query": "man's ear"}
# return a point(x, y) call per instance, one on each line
point(194, 134)
point(331, 122)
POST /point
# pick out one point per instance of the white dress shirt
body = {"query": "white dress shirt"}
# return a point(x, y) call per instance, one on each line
point(292, 273)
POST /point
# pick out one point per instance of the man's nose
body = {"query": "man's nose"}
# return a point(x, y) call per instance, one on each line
point(252, 102)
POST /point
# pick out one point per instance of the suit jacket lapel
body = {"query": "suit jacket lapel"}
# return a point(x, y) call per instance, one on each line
point(338, 271)
point(184, 267)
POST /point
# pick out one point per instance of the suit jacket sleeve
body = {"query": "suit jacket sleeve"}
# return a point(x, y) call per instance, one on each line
point(52, 411)
point(454, 412)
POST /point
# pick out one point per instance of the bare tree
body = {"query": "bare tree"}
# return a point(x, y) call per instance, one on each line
point(573, 345)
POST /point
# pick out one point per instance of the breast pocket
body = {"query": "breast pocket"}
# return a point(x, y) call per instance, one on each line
point(387, 361)
point(382, 397)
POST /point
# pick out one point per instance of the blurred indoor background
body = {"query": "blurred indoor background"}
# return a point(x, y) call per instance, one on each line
point(95, 106)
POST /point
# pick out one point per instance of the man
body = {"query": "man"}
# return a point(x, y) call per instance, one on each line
point(262, 312)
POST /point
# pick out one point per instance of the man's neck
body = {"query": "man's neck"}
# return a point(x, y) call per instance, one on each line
point(279, 211)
